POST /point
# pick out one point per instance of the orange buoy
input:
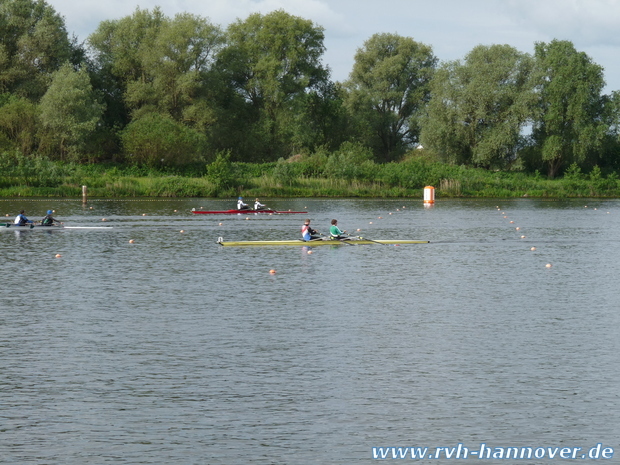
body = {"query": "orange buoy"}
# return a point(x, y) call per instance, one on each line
point(272, 271)
point(548, 265)
point(429, 194)
point(181, 231)
point(131, 241)
point(533, 248)
point(58, 255)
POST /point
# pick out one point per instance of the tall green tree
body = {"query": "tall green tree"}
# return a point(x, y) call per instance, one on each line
point(321, 119)
point(610, 152)
point(18, 123)
point(69, 115)
point(154, 64)
point(271, 61)
point(480, 106)
point(388, 87)
point(119, 48)
point(567, 125)
point(33, 44)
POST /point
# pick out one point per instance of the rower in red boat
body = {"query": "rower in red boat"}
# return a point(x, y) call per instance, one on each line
point(259, 206)
point(241, 205)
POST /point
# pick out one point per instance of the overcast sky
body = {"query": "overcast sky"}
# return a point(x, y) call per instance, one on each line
point(451, 27)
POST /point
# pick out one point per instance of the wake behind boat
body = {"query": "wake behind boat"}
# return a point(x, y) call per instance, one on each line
point(322, 241)
point(235, 212)
point(40, 227)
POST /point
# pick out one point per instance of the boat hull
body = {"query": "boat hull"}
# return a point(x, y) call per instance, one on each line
point(28, 227)
point(237, 212)
point(319, 242)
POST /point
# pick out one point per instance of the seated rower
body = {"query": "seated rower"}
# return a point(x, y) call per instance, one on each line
point(335, 232)
point(259, 206)
point(307, 233)
point(21, 220)
point(49, 220)
point(241, 205)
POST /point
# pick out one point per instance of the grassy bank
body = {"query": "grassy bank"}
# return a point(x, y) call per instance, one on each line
point(306, 178)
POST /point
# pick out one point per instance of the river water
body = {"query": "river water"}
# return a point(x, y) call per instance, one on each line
point(175, 350)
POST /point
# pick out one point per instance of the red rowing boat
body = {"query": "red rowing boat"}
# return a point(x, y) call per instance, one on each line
point(234, 212)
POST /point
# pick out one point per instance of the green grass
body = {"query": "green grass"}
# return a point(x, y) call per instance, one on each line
point(393, 180)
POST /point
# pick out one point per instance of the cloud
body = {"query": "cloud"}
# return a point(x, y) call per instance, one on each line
point(451, 27)
point(584, 22)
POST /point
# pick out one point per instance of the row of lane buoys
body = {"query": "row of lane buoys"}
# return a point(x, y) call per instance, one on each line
point(518, 228)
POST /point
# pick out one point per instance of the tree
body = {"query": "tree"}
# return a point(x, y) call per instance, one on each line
point(149, 63)
point(158, 140)
point(480, 106)
point(321, 119)
point(388, 86)
point(18, 122)
point(271, 61)
point(33, 44)
point(69, 114)
point(567, 124)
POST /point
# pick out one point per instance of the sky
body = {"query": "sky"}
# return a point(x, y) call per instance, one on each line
point(451, 27)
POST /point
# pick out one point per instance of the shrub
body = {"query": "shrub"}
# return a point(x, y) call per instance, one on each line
point(158, 140)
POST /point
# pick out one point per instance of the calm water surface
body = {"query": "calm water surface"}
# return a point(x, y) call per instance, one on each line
point(175, 350)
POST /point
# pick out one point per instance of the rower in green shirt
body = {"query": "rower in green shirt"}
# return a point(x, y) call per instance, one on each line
point(335, 232)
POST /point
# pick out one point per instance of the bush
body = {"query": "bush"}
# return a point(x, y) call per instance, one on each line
point(351, 161)
point(222, 172)
point(158, 140)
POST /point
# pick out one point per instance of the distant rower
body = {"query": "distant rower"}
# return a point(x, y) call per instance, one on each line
point(21, 220)
point(49, 220)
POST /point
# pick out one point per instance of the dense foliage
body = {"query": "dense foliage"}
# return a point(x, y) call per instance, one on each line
point(182, 95)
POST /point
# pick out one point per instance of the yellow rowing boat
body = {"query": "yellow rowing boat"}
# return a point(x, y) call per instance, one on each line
point(350, 241)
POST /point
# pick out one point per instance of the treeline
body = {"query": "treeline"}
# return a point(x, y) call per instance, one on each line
point(158, 92)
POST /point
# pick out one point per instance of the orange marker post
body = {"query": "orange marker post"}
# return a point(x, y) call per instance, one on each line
point(429, 194)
